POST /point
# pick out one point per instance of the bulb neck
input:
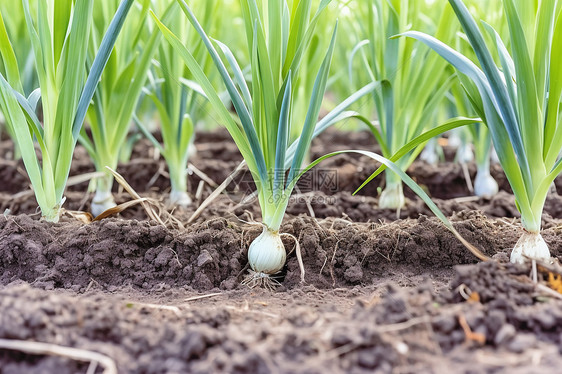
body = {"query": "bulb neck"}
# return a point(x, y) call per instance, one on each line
point(392, 197)
point(51, 215)
point(178, 177)
point(484, 183)
point(102, 201)
point(179, 198)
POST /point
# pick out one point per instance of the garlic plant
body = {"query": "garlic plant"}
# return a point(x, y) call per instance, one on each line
point(519, 101)
point(480, 137)
point(60, 34)
point(484, 184)
point(14, 25)
point(413, 80)
point(118, 92)
point(278, 34)
point(179, 101)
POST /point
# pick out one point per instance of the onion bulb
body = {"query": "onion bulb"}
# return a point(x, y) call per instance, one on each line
point(464, 154)
point(532, 245)
point(267, 253)
point(179, 198)
point(102, 201)
point(429, 153)
point(484, 183)
point(454, 140)
point(392, 197)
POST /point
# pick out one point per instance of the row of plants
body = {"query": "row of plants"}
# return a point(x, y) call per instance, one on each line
point(403, 68)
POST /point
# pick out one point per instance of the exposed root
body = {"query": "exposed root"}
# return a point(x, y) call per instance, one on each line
point(258, 279)
point(298, 253)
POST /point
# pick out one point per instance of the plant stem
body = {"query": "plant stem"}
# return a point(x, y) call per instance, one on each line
point(178, 180)
point(103, 198)
point(51, 214)
point(484, 183)
point(534, 224)
point(392, 197)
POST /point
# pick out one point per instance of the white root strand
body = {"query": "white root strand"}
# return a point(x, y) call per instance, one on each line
point(298, 253)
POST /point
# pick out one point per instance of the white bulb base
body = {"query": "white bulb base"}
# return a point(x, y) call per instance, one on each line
point(392, 197)
point(102, 201)
point(484, 184)
point(179, 199)
point(530, 246)
point(267, 253)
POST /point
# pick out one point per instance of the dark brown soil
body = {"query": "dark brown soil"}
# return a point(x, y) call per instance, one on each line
point(376, 328)
point(380, 295)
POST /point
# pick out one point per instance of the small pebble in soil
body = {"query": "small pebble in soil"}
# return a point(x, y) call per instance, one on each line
point(504, 334)
point(204, 258)
point(367, 359)
point(501, 257)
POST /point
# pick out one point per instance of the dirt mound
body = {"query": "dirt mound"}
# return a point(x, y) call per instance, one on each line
point(212, 254)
